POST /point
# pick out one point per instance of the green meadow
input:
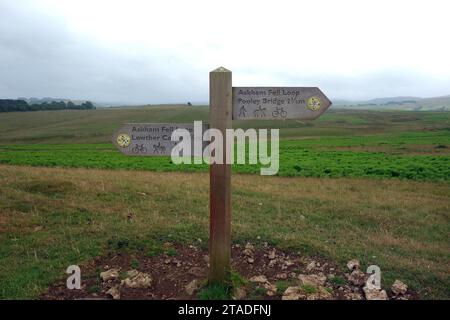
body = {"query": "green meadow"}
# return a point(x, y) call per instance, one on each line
point(405, 145)
point(353, 184)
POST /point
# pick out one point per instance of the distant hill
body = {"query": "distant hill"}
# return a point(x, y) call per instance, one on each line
point(397, 103)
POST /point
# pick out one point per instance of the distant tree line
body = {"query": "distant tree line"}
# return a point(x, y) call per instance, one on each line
point(10, 105)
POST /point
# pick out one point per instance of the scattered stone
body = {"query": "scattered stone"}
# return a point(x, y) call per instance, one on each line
point(312, 279)
point(353, 264)
point(281, 276)
point(250, 260)
point(271, 289)
point(239, 294)
point(320, 294)
point(272, 263)
point(248, 250)
point(249, 246)
point(293, 293)
point(192, 286)
point(196, 271)
point(137, 279)
point(353, 296)
point(110, 274)
point(114, 293)
point(272, 254)
point(357, 278)
point(206, 258)
point(399, 288)
point(310, 266)
point(259, 279)
point(375, 294)
point(288, 263)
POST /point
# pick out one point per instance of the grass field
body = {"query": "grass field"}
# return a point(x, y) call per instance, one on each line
point(406, 145)
point(353, 184)
point(53, 217)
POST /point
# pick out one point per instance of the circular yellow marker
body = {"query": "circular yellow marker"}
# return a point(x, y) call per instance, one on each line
point(313, 103)
point(123, 140)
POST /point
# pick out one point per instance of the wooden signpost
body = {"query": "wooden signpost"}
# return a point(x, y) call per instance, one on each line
point(226, 104)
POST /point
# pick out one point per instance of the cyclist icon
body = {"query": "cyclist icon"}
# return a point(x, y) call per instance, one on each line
point(139, 148)
point(279, 112)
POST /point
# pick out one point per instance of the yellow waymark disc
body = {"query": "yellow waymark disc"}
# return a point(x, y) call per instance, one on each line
point(313, 103)
point(123, 140)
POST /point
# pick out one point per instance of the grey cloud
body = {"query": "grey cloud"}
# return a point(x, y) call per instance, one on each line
point(40, 56)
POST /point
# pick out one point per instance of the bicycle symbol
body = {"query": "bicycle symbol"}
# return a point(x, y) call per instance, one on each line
point(279, 112)
point(139, 148)
point(158, 148)
point(260, 112)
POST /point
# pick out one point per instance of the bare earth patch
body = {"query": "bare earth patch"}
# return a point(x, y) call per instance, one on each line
point(181, 272)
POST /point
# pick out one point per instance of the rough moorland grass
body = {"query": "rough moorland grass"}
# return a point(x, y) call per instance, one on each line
point(97, 126)
point(73, 215)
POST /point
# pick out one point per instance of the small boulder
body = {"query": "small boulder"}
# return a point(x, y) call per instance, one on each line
point(399, 288)
point(281, 276)
point(357, 278)
point(110, 274)
point(248, 250)
point(353, 264)
point(192, 286)
point(271, 289)
point(310, 266)
point(314, 280)
point(375, 294)
point(259, 279)
point(353, 296)
point(293, 293)
point(137, 279)
point(114, 293)
point(272, 254)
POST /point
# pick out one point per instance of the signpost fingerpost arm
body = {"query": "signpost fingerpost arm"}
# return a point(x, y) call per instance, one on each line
point(220, 116)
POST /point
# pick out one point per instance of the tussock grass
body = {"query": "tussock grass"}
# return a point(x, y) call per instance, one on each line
point(401, 226)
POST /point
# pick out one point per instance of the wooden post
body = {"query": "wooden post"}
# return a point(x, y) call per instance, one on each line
point(220, 115)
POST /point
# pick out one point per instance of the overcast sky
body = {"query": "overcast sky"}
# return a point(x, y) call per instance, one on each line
point(162, 51)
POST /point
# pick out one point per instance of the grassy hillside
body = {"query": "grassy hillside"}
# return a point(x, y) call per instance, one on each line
point(408, 145)
point(51, 218)
point(97, 126)
point(399, 103)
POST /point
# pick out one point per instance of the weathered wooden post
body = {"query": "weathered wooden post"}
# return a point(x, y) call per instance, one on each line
point(220, 116)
